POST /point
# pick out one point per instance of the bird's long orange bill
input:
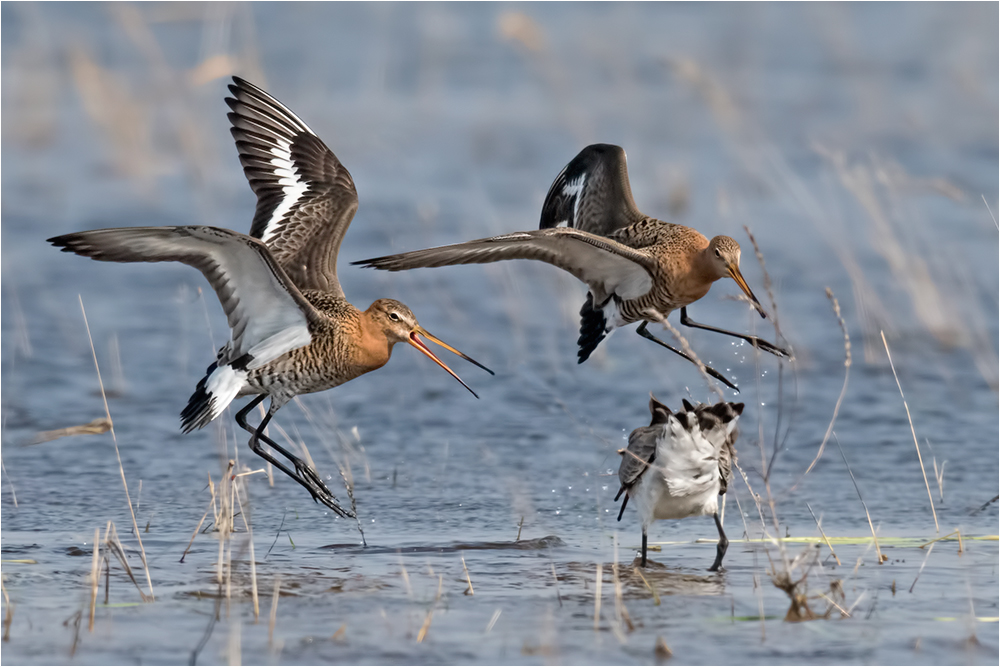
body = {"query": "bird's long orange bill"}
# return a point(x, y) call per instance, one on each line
point(419, 344)
point(734, 272)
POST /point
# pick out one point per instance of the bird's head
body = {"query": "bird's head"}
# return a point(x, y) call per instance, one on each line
point(400, 325)
point(723, 255)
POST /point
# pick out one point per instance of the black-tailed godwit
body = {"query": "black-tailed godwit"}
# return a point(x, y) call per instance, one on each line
point(638, 268)
point(293, 330)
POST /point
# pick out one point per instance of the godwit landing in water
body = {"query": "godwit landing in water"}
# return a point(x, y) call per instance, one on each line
point(293, 330)
point(680, 464)
point(638, 268)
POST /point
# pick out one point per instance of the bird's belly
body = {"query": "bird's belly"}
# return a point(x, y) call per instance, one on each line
point(659, 497)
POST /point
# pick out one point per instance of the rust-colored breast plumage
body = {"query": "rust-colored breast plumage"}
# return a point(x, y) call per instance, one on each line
point(676, 281)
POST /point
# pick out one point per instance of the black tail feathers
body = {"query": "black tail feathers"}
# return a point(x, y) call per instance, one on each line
point(198, 412)
point(593, 326)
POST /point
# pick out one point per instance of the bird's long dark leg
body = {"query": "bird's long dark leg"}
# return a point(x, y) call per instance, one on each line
point(708, 369)
point(720, 551)
point(753, 340)
point(643, 563)
point(304, 474)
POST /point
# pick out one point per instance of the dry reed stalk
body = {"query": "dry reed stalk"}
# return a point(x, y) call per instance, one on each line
point(661, 650)
point(197, 528)
point(9, 481)
point(493, 621)
point(843, 390)
point(655, 314)
point(921, 567)
point(8, 616)
point(555, 580)
point(406, 577)
point(274, 611)
point(114, 439)
point(825, 538)
point(113, 545)
point(938, 475)
point(622, 618)
point(253, 563)
point(341, 634)
point(430, 613)
point(597, 596)
point(519, 525)
point(235, 650)
point(993, 217)
point(95, 427)
point(656, 597)
point(916, 444)
point(95, 574)
point(469, 590)
point(881, 558)
point(957, 532)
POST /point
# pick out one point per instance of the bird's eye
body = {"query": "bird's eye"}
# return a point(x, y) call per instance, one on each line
point(717, 253)
point(394, 317)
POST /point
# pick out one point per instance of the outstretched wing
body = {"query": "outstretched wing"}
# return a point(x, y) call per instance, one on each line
point(607, 266)
point(305, 197)
point(592, 193)
point(266, 312)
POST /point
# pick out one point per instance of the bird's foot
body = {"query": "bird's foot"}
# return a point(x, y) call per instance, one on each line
point(762, 344)
point(717, 568)
point(318, 489)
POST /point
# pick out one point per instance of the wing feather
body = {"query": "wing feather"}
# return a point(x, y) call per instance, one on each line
point(306, 198)
point(607, 266)
point(267, 314)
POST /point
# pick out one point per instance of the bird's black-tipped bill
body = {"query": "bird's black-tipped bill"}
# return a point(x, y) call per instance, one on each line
point(419, 344)
point(435, 339)
point(734, 272)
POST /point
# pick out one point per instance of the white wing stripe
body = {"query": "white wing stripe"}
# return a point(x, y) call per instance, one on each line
point(293, 187)
point(575, 189)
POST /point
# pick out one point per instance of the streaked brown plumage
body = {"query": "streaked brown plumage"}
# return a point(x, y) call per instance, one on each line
point(293, 330)
point(638, 268)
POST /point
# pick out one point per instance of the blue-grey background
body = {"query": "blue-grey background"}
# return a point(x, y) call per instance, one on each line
point(858, 142)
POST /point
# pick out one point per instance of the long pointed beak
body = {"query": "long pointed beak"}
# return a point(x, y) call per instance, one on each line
point(734, 273)
point(415, 341)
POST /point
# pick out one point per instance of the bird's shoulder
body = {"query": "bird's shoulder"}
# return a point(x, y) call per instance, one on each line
point(336, 310)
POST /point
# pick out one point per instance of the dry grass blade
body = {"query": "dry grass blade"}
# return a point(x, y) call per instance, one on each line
point(825, 538)
point(622, 619)
point(656, 596)
point(916, 444)
point(95, 573)
point(881, 558)
point(198, 527)
point(469, 590)
point(100, 425)
point(956, 532)
point(13, 495)
point(655, 314)
point(253, 563)
point(113, 545)
point(597, 596)
point(114, 439)
point(8, 616)
point(274, 611)
point(920, 571)
point(493, 620)
point(843, 390)
point(994, 218)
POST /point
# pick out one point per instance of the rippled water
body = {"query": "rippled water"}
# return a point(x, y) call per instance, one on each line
point(855, 141)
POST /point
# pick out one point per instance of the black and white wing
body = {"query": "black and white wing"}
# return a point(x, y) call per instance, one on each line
point(608, 267)
point(592, 193)
point(305, 197)
point(266, 312)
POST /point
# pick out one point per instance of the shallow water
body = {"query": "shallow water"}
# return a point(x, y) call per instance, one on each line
point(855, 141)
